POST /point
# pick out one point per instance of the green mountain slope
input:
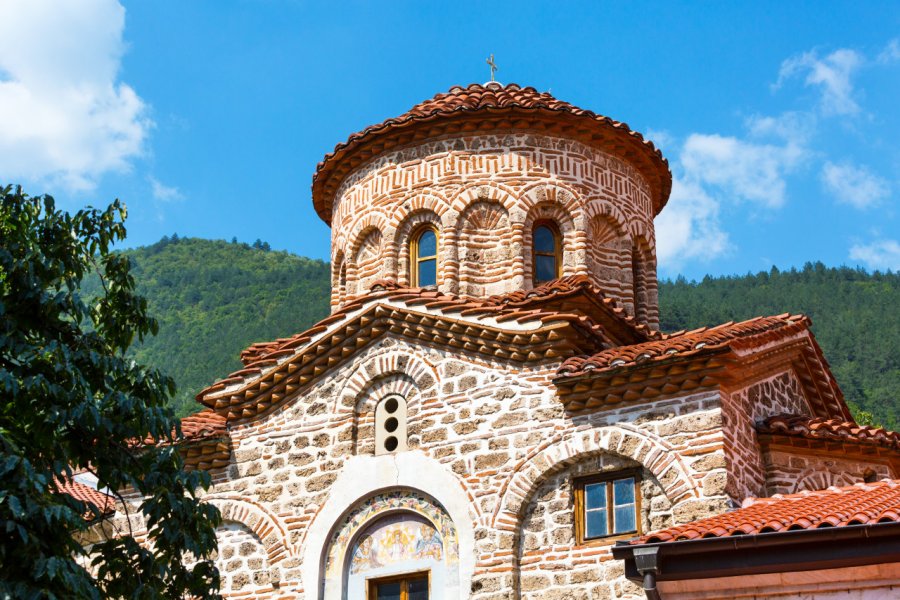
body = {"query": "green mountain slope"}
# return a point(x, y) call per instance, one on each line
point(214, 298)
point(856, 319)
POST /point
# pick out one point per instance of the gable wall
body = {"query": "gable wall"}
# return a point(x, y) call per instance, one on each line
point(500, 433)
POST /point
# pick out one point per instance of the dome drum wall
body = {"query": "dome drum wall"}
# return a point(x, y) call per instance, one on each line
point(484, 194)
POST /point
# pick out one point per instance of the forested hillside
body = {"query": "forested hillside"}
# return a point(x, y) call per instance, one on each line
point(855, 315)
point(214, 298)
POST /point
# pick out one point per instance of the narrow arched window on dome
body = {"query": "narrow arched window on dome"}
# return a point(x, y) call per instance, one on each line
point(423, 263)
point(546, 252)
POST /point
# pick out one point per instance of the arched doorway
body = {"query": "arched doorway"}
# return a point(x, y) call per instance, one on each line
point(396, 545)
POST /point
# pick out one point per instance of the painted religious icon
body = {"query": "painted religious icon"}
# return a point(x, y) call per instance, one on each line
point(396, 540)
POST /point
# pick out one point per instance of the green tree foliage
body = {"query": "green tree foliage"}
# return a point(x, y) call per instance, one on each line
point(855, 317)
point(71, 400)
point(215, 298)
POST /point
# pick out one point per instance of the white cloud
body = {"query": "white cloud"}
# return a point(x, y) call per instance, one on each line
point(744, 170)
point(164, 193)
point(881, 255)
point(794, 128)
point(64, 117)
point(854, 185)
point(891, 52)
point(832, 74)
point(688, 228)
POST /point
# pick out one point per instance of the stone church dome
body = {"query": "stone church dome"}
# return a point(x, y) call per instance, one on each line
point(490, 189)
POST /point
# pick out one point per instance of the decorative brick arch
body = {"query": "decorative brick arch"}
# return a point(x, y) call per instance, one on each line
point(391, 362)
point(594, 207)
point(483, 192)
point(552, 193)
point(816, 479)
point(419, 202)
point(266, 526)
point(654, 453)
point(483, 225)
point(363, 227)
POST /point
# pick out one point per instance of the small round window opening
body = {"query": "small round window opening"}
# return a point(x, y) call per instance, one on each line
point(390, 425)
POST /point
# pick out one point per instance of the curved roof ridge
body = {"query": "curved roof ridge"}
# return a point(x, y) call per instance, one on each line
point(490, 100)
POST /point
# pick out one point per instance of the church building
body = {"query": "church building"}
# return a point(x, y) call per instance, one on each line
point(491, 412)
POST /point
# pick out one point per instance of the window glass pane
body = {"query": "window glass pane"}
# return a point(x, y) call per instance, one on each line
point(418, 589)
point(544, 240)
point(623, 491)
point(595, 523)
point(545, 267)
point(388, 591)
point(427, 243)
point(427, 273)
point(595, 495)
point(623, 518)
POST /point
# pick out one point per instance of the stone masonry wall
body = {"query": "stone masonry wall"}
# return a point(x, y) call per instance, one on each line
point(484, 194)
point(547, 538)
point(497, 429)
point(242, 561)
point(778, 394)
point(789, 471)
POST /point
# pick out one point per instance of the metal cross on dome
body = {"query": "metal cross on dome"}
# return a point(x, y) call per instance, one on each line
point(493, 66)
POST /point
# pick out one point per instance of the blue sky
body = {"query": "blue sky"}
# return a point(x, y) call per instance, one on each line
point(208, 118)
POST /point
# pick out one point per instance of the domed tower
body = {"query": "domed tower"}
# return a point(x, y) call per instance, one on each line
point(489, 189)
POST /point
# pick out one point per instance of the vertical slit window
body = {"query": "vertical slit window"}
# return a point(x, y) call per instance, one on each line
point(423, 258)
point(547, 252)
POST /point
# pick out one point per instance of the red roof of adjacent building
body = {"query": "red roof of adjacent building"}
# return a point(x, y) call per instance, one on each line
point(103, 503)
point(833, 430)
point(860, 504)
point(493, 106)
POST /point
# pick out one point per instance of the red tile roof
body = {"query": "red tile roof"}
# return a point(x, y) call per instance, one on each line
point(492, 105)
point(837, 430)
point(520, 305)
point(203, 425)
point(550, 322)
point(684, 343)
point(104, 503)
point(860, 504)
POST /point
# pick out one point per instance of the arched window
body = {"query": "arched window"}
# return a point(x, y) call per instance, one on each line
point(547, 252)
point(390, 425)
point(423, 250)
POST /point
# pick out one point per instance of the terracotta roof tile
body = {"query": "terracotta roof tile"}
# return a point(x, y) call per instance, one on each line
point(103, 503)
point(503, 307)
point(202, 425)
point(860, 504)
point(485, 103)
point(818, 428)
point(680, 344)
point(556, 320)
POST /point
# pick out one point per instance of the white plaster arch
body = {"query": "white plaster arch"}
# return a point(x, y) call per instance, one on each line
point(365, 476)
point(654, 453)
